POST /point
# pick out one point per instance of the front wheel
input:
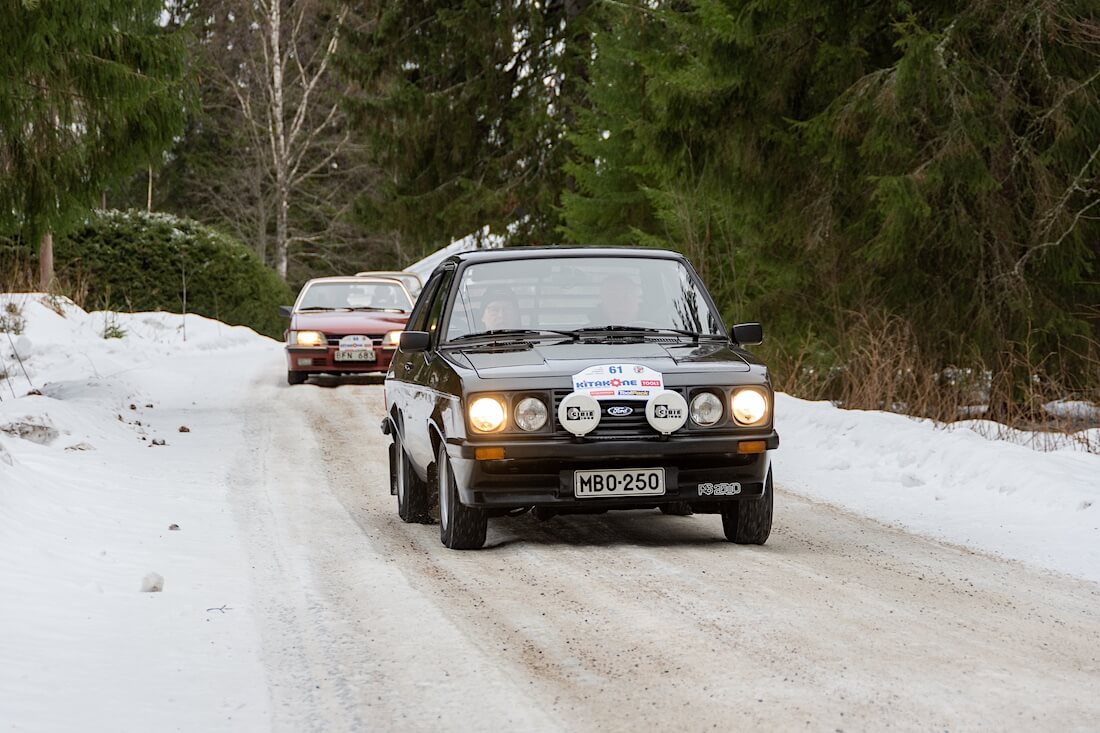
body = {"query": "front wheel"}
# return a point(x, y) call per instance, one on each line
point(461, 527)
point(412, 493)
point(293, 378)
point(749, 521)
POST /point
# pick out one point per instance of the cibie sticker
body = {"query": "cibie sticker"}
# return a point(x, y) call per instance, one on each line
point(619, 382)
point(579, 413)
point(666, 412)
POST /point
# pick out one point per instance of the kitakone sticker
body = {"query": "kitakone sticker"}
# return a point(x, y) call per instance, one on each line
point(622, 381)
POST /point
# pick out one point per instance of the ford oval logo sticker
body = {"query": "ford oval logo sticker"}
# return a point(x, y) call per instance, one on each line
point(620, 410)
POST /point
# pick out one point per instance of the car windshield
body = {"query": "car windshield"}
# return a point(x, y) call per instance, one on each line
point(563, 293)
point(355, 296)
point(410, 280)
point(412, 284)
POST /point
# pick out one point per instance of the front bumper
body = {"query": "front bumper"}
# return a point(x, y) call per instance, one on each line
point(313, 360)
point(540, 472)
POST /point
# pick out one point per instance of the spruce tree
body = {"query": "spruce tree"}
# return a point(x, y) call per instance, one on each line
point(465, 105)
point(936, 162)
point(89, 93)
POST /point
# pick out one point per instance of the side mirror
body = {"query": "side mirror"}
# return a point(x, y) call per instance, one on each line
point(413, 341)
point(286, 311)
point(748, 334)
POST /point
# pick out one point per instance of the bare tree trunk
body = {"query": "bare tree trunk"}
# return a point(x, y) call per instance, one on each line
point(149, 200)
point(281, 254)
point(45, 262)
point(279, 141)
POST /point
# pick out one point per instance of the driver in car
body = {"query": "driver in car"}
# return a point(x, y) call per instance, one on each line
point(620, 300)
point(499, 309)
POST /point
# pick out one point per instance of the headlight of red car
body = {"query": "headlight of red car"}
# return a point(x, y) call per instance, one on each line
point(307, 338)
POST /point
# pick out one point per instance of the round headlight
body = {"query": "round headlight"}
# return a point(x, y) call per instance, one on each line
point(310, 338)
point(391, 340)
point(749, 406)
point(486, 414)
point(531, 414)
point(706, 409)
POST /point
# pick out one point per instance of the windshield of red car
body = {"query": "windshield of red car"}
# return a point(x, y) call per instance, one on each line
point(570, 293)
point(353, 295)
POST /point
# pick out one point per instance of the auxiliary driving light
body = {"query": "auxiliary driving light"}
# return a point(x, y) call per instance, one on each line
point(579, 413)
point(666, 411)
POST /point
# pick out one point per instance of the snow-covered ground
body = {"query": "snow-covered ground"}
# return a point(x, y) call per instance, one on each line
point(89, 502)
point(952, 484)
point(94, 510)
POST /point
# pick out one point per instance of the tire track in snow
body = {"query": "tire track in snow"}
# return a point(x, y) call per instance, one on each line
point(623, 620)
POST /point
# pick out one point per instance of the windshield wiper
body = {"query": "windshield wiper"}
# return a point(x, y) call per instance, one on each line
point(646, 330)
point(518, 332)
point(391, 309)
point(316, 308)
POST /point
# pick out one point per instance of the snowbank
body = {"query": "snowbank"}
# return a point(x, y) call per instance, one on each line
point(951, 484)
point(94, 472)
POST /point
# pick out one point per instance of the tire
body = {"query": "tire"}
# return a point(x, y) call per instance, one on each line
point(293, 378)
point(749, 521)
point(677, 509)
point(412, 493)
point(461, 527)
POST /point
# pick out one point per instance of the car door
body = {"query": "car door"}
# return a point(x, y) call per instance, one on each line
point(422, 394)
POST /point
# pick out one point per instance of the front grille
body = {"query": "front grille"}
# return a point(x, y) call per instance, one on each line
point(376, 339)
point(611, 426)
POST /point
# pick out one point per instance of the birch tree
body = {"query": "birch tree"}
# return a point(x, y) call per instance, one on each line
point(290, 104)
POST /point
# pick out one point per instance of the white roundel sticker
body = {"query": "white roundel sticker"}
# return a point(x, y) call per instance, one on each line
point(579, 413)
point(666, 411)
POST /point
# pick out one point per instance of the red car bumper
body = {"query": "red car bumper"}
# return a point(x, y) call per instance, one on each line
point(312, 360)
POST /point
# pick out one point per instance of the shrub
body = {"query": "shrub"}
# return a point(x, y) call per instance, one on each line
point(11, 319)
point(138, 261)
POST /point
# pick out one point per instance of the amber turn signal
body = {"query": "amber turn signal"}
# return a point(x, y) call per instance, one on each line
point(488, 454)
point(752, 446)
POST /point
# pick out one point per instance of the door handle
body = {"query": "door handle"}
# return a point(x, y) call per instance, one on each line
point(408, 366)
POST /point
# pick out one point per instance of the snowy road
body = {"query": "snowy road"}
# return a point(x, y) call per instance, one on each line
point(628, 620)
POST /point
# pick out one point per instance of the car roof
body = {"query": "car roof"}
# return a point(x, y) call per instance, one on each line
point(357, 280)
point(387, 273)
point(352, 279)
point(522, 253)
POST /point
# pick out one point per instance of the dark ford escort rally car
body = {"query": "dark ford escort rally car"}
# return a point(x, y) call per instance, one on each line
point(576, 380)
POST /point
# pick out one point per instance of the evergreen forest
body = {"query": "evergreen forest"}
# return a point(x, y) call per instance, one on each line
point(906, 194)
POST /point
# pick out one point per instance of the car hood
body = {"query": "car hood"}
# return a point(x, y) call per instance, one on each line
point(346, 323)
point(564, 360)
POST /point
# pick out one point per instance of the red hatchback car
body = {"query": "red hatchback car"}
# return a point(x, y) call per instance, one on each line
point(345, 325)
